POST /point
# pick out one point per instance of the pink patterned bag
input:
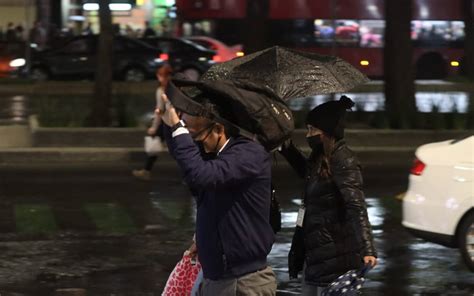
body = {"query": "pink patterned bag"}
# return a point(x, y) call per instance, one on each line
point(182, 278)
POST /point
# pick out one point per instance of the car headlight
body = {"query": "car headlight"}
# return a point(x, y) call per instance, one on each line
point(17, 63)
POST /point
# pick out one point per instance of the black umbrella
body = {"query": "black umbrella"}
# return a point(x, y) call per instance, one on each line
point(290, 73)
point(255, 111)
point(347, 284)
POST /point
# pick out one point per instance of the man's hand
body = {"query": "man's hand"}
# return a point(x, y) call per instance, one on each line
point(192, 250)
point(169, 115)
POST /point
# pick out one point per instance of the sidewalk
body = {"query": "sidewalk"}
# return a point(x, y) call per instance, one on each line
point(107, 155)
point(124, 146)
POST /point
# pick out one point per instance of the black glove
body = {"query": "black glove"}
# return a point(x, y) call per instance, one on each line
point(297, 253)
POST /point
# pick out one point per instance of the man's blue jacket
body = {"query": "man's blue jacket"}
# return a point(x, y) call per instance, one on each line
point(233, 233)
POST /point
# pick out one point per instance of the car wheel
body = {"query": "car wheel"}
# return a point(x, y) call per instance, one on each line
point(466, 240)
point(134, 74)
point(39, 74)
point(192, 73)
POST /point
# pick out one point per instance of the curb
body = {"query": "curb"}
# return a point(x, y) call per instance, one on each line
point(369, 156)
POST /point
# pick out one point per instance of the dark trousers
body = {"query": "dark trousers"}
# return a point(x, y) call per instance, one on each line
point(150, 162)
point(151, 159)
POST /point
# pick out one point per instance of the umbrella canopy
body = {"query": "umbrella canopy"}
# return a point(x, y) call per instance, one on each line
point(347, 284)
point(255, 111)
point(290, 73)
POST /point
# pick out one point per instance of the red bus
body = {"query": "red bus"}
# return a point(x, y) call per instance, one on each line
point(350, 29)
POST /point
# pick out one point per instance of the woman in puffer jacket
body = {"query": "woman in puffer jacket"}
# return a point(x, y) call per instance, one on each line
point(334, 234)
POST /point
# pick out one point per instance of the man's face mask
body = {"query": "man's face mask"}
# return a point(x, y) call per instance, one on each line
point(200, 138)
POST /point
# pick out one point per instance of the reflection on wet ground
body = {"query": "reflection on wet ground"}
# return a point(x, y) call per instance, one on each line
point(100, 230)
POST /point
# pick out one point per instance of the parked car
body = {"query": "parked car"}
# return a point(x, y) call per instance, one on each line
point(224, 52)
point(183, 55)
point(12, 58)
point(132, 59)
point(439, 204)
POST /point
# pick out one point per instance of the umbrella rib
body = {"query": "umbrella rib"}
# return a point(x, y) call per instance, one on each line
point(351, 83)
point(334, 73)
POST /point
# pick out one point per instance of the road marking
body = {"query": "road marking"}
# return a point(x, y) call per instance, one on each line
point(110, 217)
point(34, 218)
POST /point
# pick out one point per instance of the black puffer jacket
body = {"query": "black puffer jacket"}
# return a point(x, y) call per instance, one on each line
point(336, 231)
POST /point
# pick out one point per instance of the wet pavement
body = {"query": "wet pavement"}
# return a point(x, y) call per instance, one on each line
point(100, 230)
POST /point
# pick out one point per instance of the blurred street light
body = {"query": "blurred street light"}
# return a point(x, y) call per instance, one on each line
point(112, 6)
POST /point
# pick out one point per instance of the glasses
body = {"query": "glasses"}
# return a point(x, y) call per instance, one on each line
point(198, 134)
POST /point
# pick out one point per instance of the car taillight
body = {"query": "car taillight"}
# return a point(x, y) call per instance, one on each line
point(240, 54)
point(164, 56)
point(217, 58)
point(418, 167)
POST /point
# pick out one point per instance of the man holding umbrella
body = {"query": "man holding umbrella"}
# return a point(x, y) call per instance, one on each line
point(233, 233)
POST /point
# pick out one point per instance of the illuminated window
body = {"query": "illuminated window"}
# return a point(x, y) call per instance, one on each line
point(323, 31)
point(372, 33)
point(347, 32)
point(435, 32)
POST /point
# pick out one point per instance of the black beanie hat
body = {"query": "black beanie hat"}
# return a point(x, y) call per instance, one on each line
point(329, 116)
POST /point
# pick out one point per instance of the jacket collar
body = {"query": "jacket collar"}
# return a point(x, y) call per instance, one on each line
point(232, 141)
point(223, 147)
point(338, 145)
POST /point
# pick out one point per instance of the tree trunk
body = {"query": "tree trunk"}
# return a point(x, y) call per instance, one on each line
point(468, 8)
point(101, 101)
point(400, 102)
point(255, 33)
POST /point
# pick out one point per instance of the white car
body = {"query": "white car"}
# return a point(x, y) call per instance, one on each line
point(439, 203)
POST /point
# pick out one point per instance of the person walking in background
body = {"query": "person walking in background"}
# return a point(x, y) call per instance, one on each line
point(163, 74)
point(117, 29)
point(10, 34)
point(88, 30)
point(38, 35)
point(149, 32)
point(20, 33)
point(333, 233)
point(129, 32)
